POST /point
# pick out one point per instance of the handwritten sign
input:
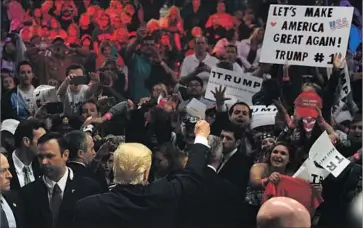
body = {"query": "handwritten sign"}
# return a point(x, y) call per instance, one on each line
point(263, 116)
point(327, 156)
point(311, 173)
point(196, 108)
point(306, 35)
point(239, 87)
point(43, 94)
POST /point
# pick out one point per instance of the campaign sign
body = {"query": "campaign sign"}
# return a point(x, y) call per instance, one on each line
point(306, 35)
point(238, 87)
point(310, 172)
point(327, 156)
point(43, 94)
point(263, 116)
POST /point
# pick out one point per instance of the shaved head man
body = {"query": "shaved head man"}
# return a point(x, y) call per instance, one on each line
point(282, 212)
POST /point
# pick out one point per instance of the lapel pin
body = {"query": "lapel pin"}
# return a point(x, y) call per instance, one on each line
point(14, 204)
point(73, 190)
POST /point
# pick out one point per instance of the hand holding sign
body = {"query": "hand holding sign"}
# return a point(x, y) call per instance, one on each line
point(339, 61)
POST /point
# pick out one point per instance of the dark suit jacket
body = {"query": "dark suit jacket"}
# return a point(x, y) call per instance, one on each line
point(136, 206)
point(14, 182)
point(36, 201)
point(12, 198)
point(216, 204)
point(83, 171)
point(237, 171)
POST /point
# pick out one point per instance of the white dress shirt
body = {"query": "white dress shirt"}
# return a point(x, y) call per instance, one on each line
point(226, 158)
point(201, 140)
point(237, 68)
point(212, 167)
point(191, 62)
point(244, 49)
point(78, 163)
point(8, 212)
point(61, 183)
point(19, 166)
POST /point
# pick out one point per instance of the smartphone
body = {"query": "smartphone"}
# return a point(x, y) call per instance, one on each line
point(54, 107)
point(79, 80)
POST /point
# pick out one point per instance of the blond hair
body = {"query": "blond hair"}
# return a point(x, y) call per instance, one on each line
point(131, 161)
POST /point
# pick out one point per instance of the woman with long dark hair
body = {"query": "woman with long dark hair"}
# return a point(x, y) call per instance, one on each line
point(279, 160)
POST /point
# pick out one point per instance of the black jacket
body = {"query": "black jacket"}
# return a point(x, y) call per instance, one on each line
point(83, 171)
point(217, 203)
point(153, 205)
point(14, 182)
point(12, 198)
point(36, 201)
point(237, 171)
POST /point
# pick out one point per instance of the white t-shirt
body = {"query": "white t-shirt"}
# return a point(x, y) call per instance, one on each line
point(28, 97)
point(72, 101)
point(238, 68)
point(191, 62)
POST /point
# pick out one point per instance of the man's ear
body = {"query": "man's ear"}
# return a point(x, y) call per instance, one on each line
point(80, 153)
point(238, 142)
point(65, 155)
point(26, 141)
point(146, 175)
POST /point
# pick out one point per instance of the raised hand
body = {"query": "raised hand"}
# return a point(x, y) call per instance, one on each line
point(219, 95)
point(95, 77)
point(339, 61)
point(202, 128)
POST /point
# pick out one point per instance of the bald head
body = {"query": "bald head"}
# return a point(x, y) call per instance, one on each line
point(282, 212)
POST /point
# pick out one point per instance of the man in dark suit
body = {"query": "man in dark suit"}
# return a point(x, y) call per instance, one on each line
point(24, 166)
point(133, 202)
point(50, 200)
point(235, 166)
point(11, 214)
point(217, 203)
point(81, 154)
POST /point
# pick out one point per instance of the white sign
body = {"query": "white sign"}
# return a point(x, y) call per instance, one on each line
point(311, 173)
point(306, 35)
point(327, 156)
point(43, 94)
point(196, 108)
point(238, 87)
point(263, 116)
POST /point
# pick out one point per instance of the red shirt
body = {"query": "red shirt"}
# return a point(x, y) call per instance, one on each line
point(297, 189)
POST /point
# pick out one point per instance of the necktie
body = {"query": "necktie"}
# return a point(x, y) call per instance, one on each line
point(26, 171)
point(55, 203)
point(3, 219)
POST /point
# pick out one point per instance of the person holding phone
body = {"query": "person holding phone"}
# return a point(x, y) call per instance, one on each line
point(75, 89)
point(198, 64)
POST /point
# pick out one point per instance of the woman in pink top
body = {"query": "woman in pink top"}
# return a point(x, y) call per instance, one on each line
point(15, 10)
point(221, 17)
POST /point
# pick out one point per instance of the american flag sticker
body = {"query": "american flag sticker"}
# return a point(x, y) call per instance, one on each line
point(338, 24)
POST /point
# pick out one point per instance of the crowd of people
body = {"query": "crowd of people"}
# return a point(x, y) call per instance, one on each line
point(111, 142)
